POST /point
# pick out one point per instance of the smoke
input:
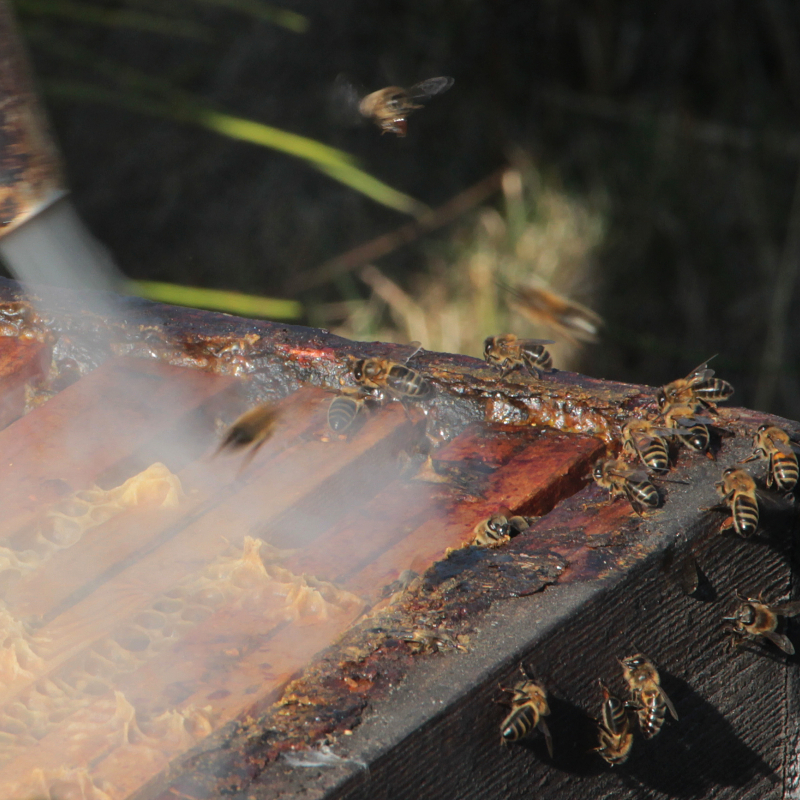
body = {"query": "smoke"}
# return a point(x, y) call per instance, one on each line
point(150, 591)
point(54, 250)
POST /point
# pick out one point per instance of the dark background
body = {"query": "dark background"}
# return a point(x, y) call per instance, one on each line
point(679, 120)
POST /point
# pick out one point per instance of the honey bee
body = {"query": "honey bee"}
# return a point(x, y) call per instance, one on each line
point(343, 410)
point(646, 440)
point(698, 388)
point(754, 618)
point(508, 353)
point(498, 529)
point(428, 641)
point(251, 429)
point(623, 481)
point(614, 729)
point(389, 108)
point(647, 696)
point(545, 307)
point(691, 430)
point(738, 489)
point(528, 709)
point(399, 380)
point(774, 444)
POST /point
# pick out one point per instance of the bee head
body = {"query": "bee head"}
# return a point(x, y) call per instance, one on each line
point(488, 347)
point(597, 471)
point(662, 399)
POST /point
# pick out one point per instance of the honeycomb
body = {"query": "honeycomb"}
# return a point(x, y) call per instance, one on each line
point(86, 723)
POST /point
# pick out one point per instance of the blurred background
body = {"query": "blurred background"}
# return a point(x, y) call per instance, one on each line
point(641, 160)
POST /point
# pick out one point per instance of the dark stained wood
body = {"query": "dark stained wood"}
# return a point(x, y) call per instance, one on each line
point(589, 583)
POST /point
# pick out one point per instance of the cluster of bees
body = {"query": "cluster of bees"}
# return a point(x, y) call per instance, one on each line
point(647, 703)
point(686, 410)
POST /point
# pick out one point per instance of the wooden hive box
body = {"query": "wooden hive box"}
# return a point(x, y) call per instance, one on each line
point(206, 629)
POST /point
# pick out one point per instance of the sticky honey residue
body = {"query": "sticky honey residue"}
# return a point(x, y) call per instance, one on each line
point(20, 320)
point(66, 522)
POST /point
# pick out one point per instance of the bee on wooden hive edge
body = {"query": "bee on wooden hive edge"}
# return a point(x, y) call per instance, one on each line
point(775, 446)
point(622, 480)
point(397, 379)
point(698, 389)
point(528, 709)
point(755, 618)
point(648, 699)
point(614, 729)
point(508, 353)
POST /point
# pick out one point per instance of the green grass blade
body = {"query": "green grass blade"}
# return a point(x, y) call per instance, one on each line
point(115, 18)
point(266, 12)
point(243, 305)
point(336, 163)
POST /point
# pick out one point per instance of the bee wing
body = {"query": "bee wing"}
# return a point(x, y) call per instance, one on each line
point(780, 641)
point(533, 342)
point(430, 87)
point(701, 371)
point(784, 448)
point(343, 102)
point(791, 609)
point(416, 347)
point(687, 422)
point(630, 474)
point(668, 703)
point(547, 737)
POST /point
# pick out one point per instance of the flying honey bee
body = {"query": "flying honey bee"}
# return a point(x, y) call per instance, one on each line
point(252, 429)
point(647, 697)
point(754, 618)
point(691, 429)
point(498, 529)
point(543, 306)
point(614, 729)
point(623, 481)
point(508, 353)
point(774, 445)
point(698, 389)
point(390, 107)
point(646, 440)
point(398, 380)
point(528, 709)
point(738, 489)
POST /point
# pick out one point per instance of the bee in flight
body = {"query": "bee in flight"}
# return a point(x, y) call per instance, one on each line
point(390, 107)
point(774, 445)
point(543, 306)
point(528, 709)
point(398, 380)
point(698, 389)
point(647, 697)
point(251, 430)
point(754, 618)
point(614, 729)
point(623, 481)
point(508, 352)
point(738, 490)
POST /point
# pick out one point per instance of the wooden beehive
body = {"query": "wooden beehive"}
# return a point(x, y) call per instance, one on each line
point(178, 630)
